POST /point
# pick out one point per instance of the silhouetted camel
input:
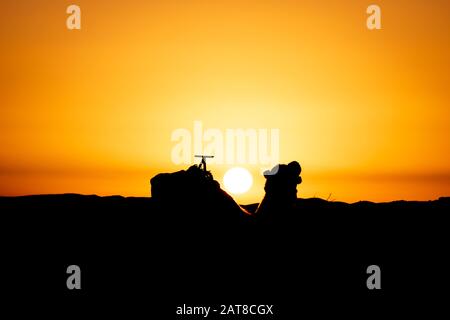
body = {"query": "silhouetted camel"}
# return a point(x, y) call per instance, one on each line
point(195, 194)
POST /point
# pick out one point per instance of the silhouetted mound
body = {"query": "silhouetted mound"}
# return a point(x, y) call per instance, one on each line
point(281, 190)
point(194, 194)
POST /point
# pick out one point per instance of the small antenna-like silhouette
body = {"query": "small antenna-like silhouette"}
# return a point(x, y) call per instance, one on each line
point(203, 162)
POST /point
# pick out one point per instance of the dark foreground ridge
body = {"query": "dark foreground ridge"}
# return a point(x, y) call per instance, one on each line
point(147, 204)
point(194, 244)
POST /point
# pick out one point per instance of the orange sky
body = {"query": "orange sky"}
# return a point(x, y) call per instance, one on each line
point(92, 111)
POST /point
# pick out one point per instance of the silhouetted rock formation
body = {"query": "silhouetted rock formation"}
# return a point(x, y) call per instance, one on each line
point(194, 194)
point(281, 190)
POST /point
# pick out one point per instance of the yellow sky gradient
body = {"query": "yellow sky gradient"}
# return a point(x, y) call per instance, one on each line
point(92, 111)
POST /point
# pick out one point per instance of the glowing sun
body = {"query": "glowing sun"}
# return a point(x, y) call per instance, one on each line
point(237, 180)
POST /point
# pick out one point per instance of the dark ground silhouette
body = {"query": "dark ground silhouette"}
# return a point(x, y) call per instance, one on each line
point(191, 243)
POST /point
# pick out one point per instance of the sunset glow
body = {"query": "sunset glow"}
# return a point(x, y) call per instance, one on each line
point(237, 180)
point(365, 112)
